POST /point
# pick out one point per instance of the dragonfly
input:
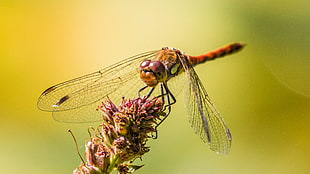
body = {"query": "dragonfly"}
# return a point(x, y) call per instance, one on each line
point(163, 72)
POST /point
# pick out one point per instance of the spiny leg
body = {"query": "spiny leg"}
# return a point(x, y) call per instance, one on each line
point(165, 92)
point(141, 89)
point(168, 92)
point(169, 103)
point(162, 95)
point(148, 94)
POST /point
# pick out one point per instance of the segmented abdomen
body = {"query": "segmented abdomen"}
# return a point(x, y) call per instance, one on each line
point(220, 52)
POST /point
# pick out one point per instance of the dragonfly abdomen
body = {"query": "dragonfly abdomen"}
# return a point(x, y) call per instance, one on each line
point(221, 52)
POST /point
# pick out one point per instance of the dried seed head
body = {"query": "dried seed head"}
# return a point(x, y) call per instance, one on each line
point(123, 135)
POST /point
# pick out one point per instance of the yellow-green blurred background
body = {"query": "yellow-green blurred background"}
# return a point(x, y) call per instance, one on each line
point(262, 92)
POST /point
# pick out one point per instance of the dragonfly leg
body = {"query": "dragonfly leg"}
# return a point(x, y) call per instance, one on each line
point(165, 92)
point(162, 93)
point(141, 89)
point(169, 97)
point(169, 94)
point(148, 94)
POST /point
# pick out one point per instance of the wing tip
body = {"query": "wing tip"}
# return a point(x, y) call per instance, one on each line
point(48, 90)
point(222, 148)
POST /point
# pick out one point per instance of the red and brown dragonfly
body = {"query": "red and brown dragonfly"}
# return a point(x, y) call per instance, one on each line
point(163, 72)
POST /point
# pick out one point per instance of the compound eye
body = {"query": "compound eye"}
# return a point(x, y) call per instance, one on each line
point(145, 64)
point(157, 66)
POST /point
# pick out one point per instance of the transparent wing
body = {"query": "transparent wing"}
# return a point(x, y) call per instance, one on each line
point(119, 80)
point(88, 113)
point(84, 114)
point(203, 116)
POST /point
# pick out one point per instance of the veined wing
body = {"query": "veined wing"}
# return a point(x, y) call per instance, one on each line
point(88, 113)
point(203, 116)
point(90, 88)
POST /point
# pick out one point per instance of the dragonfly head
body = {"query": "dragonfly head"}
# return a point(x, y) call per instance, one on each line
point(152, 72)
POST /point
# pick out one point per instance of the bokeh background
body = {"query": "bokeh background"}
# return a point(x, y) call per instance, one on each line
point(262, 92)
